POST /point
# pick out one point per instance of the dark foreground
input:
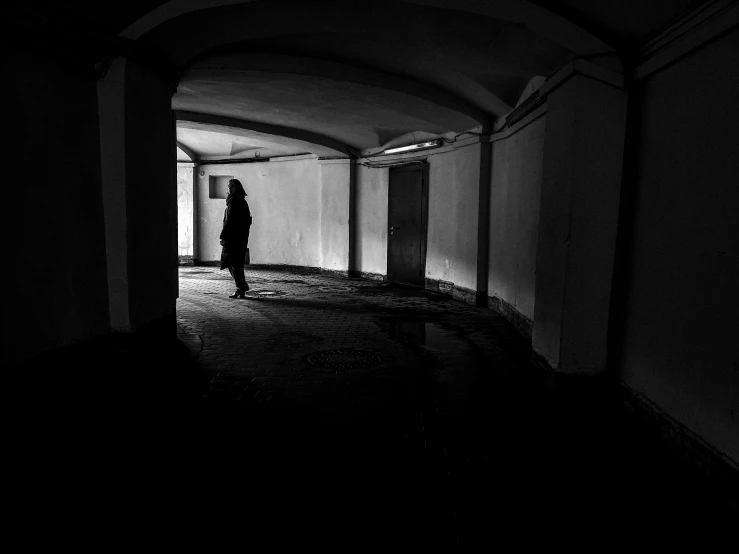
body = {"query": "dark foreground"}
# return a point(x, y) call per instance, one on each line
point(324, 412)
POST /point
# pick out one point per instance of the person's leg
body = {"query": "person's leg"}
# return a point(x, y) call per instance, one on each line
point(237, 272)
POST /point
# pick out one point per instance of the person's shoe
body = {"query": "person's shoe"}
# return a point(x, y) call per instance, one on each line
point(246, 287)
point(237, 294)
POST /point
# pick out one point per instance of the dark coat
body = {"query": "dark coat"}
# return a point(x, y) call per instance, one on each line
point(235, 233)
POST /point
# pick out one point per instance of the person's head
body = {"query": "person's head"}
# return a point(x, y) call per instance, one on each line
point(235, 187)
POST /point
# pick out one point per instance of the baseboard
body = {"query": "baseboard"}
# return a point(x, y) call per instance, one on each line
point(185, 260)
point(696, 454)
point(286, 267)
point(337, 272)
point(302, 269)
point(214, 263)
point(582, 387)
point(522, 323)
point(542, 364)
point(463, 294)
point(367, 275)
point(702, 457)
point(158, 329)
point(436, 285)
point(468, 296)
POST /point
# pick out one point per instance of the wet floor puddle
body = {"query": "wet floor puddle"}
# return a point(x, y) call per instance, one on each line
point(428, 334)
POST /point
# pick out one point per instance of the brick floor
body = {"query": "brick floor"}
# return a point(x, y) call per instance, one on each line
point(449, 440)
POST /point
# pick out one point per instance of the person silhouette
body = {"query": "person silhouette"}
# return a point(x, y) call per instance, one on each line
point(235, 235)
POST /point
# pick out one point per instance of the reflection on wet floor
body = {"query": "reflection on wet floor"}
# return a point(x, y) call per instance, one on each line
point(430, 337)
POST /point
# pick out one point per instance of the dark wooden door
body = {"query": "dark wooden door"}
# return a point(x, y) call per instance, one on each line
point(406, 235)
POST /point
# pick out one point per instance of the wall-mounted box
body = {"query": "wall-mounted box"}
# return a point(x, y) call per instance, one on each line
point(218, 186)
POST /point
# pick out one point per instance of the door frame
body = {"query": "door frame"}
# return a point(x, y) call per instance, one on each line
point(423, 167)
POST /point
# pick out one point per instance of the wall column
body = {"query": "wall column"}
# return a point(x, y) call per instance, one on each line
point(483, 223)
point(336, 199)
point(111, 102)
point(578, 217)
point(471, 222)
point(139, 181)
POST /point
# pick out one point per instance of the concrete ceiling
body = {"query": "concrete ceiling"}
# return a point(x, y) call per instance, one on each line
point(209, 142)
point(337, 78)
point(624, 24)
point(358, 115)
point(360, 77)
point(626, 20)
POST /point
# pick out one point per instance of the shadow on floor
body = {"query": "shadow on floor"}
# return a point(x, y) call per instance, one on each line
point(452, 441)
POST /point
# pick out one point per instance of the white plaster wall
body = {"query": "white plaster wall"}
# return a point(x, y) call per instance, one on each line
point(551, 250)
point(184, 209)
point(334, 176)
point(681, 308)
point(440, 252)
point(285, 201)
point(451, 250)
point(371, 190)
point(578, 220)
point(454, 180)
point(301, 214)
point(515, 192)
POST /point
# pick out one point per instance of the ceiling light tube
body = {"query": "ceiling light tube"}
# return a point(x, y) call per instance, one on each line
point(413, 147)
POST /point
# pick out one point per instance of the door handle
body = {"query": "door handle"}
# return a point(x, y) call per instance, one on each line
point(394, 228)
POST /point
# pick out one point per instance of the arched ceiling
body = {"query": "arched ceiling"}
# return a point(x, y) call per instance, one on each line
point(347, 76)
point(363, 76)
point(355, 114)
point(216, 142)
point(241, 138)
point(531, 14)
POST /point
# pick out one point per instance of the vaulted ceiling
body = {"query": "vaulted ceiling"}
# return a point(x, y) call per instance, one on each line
point(342, 78)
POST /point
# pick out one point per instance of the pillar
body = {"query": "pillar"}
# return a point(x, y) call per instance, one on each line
point(581, 181)
point(138, 166)
point(336, 207)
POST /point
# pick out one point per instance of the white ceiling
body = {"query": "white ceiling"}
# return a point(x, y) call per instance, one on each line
point(213, 142)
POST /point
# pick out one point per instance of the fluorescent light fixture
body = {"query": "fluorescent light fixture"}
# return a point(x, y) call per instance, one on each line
point(413, 147)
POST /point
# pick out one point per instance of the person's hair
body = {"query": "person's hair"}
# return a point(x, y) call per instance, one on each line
point(238, 188)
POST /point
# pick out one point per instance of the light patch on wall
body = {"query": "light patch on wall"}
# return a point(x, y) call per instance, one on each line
point(296, 238)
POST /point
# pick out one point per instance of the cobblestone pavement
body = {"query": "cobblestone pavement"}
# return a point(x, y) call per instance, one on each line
point(329, 413)
point(403, 416)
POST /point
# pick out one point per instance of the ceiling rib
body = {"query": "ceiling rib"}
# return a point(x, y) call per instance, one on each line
point(299, 135)
point(591, 27)
point(187, 150)
point(540, 19)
